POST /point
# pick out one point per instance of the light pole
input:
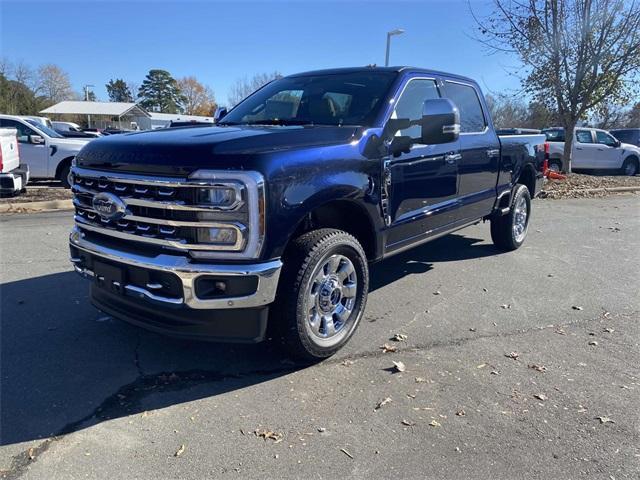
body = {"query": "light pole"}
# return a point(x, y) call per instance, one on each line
point(397, 31)
point(86, 99)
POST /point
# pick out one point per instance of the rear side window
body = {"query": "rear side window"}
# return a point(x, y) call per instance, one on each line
point(409, 104)
point(584, 136)
point(468, 103)
point(554, 135)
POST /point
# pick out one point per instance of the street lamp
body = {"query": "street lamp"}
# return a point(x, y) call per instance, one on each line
point(397, 31)
point(86, 99)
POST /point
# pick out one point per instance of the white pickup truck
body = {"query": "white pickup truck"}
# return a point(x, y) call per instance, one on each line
point(593, 149)
point(13, 176)
point(47, 153)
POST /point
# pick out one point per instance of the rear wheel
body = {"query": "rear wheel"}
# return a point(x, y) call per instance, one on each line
point(555, 165)
point(630, 167)
point(65, 176)
point(509, 231)
point(322, 293)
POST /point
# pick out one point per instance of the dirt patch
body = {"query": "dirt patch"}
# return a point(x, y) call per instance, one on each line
point(40, 192)
point(582, 186)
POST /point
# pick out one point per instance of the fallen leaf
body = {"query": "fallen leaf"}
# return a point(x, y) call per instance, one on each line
point(560, 331)
point(495, 372)
point(472, 329)
point(461, 413)
point(605, 420)
point(408, 423)
point(482, 365)
point(575, 307)
point(31, 454)
point(382, 403)
point(347, 363)
point(400, 337)
point(400, 367)
point(346, 453)
point(539, 368)
point(485, 290)
point(505, 306)
point(540, 396)
point(420, 380)
point(513, 355)
point(180, 451)
point(437, 292)
point(608, 330)
point(386, 348)
point(322, 429)
point(435, 423)
point(411, 395)
point(275, 436)
point(550, 275)
point(593, 343)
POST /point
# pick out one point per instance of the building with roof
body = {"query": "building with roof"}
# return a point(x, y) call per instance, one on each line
point(100, 114)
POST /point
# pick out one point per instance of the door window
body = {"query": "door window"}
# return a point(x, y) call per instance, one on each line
point(409, 104)
point(466, 99)
point(605, 139)
point(584, 136)
point(23, 130)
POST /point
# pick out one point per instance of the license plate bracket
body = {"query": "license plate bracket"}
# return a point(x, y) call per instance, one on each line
point(109, 277)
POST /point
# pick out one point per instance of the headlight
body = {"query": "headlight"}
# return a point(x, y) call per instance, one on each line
point(236, 215)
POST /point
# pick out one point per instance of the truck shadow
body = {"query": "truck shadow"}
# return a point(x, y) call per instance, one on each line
point(67, 366)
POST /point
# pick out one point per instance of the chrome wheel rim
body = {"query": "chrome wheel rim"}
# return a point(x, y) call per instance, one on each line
point(331, 297)
point(520, 216)
point(554, 167)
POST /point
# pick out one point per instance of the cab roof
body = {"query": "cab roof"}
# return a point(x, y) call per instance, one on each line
point(374, 68)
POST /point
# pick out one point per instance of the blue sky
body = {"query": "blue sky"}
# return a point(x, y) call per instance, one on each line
point(221, 41)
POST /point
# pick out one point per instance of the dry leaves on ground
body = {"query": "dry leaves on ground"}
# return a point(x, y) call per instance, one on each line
point(513, 355)
point(605, 419)
point(539, 368)
point(386, 348)
point(399, 366)
point(400, 337)
point(275, 436)
point(180, 451)
point(382, 403)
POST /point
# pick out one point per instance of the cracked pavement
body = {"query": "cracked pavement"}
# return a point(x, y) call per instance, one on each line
point(86, 396)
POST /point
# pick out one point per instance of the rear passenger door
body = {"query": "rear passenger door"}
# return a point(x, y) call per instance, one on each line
point(480, 150)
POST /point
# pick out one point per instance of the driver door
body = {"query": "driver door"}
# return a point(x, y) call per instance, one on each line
point(36, 156)
point(609, 154)
point(423, 180)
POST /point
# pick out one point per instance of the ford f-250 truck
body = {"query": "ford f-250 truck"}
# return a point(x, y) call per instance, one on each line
point(273, 215)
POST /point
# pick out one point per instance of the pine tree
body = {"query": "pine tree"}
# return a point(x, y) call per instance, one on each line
point(118, 91)
point(160, 92)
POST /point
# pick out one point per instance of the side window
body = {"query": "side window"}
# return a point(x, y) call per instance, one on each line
point(23, 130)
point(584, 136)
point(409, 104)
point(468, 103)
point(605, 139)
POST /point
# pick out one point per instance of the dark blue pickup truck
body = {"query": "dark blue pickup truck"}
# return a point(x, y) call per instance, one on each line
point(271, 217)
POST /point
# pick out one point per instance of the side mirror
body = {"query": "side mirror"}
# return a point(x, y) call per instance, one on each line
point(220, 114)
point(440, 121)
point(618, 143)
point(36, 139)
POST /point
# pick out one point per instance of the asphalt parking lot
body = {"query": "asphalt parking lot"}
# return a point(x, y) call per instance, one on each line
point(518, 365)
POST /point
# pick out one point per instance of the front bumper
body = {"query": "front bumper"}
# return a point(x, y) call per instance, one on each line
point(161, 291)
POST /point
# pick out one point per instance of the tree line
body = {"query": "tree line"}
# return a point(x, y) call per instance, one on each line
point(26, 91)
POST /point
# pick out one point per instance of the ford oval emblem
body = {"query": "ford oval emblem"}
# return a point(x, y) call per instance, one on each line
point(108, 206)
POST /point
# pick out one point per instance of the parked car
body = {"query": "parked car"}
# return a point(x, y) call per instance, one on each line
point(44, 121)
point(627, 135)
point(517, 131)
point(593, 149)
point(47, 153)
point(13, 175)
point(274, 214)
point(73, 130)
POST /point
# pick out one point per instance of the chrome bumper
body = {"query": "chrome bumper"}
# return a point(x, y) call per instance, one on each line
point(268, 274)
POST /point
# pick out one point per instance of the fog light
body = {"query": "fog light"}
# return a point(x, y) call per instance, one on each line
point(218, 236)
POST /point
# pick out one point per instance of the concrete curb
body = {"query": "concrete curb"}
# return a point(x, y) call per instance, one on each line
point(33, 207)
point(609, 189)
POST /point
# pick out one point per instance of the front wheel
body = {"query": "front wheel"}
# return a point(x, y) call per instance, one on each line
point(509, 231)
point(65, 176)
point(322, 293)
point(630, 167)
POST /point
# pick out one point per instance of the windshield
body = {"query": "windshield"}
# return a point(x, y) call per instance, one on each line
point(46, 130)
point(338, 99)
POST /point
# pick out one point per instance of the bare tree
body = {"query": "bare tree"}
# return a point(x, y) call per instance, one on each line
point(577, 54)
point(199, 99)
point(133, 88)
point(245, 87)
point(53, 84)
point(508, 111)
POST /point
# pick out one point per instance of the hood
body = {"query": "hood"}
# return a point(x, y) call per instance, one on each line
point(630, 147)
point(70, 143)
point(179, 151)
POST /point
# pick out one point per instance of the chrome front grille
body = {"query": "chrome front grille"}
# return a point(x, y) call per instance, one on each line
point(160, 211)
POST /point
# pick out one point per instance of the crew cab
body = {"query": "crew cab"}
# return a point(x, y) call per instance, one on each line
point(47, 153)
point(271, 218)
point(13, 175)
point(592, 149)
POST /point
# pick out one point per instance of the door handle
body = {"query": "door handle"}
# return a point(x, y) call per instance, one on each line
point(452, 158)
point(493, 152)
point(578, 148)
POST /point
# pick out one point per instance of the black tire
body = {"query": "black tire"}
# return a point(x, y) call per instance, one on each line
point(303, 262)
point(630, 167)
point(503, 233)
point(64, 176)
point(555, 165)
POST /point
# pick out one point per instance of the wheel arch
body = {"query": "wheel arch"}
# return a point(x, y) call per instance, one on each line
point(62, 164)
